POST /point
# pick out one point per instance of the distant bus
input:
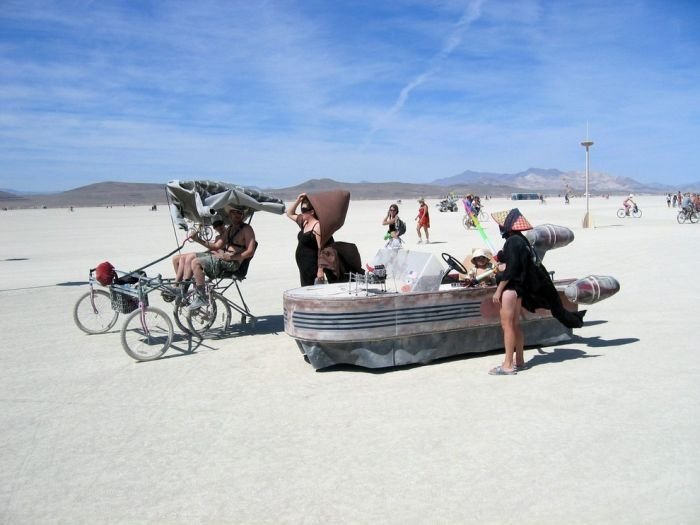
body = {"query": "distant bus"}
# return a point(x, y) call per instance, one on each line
point(525, 196)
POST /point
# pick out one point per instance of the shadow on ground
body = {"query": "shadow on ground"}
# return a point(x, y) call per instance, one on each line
point(188, 344)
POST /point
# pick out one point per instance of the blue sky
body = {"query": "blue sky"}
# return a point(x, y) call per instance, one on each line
point(272, 93)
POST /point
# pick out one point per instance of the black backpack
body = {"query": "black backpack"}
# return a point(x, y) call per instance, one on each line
point(400, 227)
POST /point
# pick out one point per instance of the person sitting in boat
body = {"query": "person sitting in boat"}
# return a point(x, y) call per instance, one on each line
point(483, 271)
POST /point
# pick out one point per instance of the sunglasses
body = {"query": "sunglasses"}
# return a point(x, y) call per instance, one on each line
point(306, 210)
point(237, 212)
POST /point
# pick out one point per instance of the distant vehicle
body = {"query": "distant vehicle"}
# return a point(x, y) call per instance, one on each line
point(525, 197)
point(448, 204)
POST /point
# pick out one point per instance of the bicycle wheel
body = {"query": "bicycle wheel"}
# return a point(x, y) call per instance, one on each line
point(693, 217)
point(216, 315)
point(467, 222)
point(621, 213)
point(180, 312)
point(680, 217)
point(483, 216)
point(148, 338)
point(93, 312)
point(637, 213)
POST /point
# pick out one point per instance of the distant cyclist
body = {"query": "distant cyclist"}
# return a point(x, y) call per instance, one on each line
point(628, 203)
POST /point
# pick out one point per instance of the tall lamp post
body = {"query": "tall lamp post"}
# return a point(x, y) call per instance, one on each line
point(587, 220)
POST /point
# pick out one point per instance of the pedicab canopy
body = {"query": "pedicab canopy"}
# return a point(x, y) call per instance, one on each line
point(331, 207)
point(202, 201)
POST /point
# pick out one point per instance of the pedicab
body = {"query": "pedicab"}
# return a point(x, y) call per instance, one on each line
point(147, 331)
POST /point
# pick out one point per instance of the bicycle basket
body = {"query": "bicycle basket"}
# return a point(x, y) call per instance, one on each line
point(123, 302)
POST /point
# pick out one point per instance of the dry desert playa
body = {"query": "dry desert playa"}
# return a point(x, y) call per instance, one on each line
point(602, 429)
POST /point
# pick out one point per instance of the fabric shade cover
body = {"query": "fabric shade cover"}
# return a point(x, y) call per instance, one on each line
point(330, 207)
point(203, 202)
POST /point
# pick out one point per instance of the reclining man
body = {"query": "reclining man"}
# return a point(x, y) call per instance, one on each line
point(239, 245)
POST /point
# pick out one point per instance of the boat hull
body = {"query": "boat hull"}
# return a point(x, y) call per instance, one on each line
point(334, 325)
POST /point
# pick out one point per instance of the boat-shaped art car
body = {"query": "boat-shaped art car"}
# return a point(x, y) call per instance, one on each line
point(414, 315)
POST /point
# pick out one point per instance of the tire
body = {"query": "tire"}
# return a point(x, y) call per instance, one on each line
point(483, 216)
point(144, 346)
point(99, 319)
point(694, 217)
point(180, 312)
point(212, 317)
point(637, 214)
point(680, 217)
point(621, 213)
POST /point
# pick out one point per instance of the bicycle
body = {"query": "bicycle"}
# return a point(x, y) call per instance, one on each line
point(93, 312)
point(97, 310)
point(688, 215)
point(216, 315)
point(468, 223)
point(147, 331)
point(202, 321)
point(635, 212)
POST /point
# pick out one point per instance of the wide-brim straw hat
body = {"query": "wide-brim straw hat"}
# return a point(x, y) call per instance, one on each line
point(476, 252)
point(512, 220)
point(481, 252)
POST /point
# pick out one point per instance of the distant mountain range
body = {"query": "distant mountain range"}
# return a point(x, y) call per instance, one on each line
point(536, 180)
point(553, 180)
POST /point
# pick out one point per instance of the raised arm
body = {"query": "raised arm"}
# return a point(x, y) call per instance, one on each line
point(292, 209)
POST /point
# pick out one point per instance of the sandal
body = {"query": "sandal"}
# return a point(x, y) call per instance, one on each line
point(500, 371)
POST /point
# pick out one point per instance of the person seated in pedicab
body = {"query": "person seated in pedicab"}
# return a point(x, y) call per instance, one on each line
point(182, 262)
point(239, 245)
point(482, 268)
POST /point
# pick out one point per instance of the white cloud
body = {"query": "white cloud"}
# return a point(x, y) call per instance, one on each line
point(363, 90)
